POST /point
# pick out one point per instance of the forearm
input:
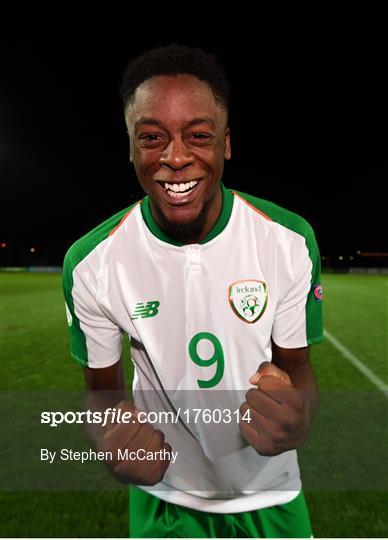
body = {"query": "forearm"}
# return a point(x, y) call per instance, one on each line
point(303, 378)
point(99, 401)
point(105, 388)
point(296, 363)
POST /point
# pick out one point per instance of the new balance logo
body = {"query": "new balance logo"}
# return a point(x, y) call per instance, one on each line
point(149, 309)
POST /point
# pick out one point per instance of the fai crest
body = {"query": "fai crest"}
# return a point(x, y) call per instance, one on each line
point(248, 299)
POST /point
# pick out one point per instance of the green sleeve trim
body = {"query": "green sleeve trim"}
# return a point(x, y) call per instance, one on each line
point(318, 339)
point(76, 253)
point(83, 363)
point(296, 223)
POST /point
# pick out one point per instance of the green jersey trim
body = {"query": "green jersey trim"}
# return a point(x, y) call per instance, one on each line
point(76, 253)
point(294, 222)
point(218, 227)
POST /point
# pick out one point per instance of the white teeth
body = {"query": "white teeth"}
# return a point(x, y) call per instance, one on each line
point(179, 195)
point(176, 188)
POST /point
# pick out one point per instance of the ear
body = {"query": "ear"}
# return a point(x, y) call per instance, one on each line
point(130, 148)
point(128, 124)
point(228, 149)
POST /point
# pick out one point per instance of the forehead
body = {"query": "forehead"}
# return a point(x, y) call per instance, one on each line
point(175, 98)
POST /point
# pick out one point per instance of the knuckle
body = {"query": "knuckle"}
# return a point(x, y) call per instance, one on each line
point(250, 395)
point(157, 473)
point(268, 451)
point(146, 430)
point(105, 446)
point(279, 437)
point(123, 405)
point(167, 446)
point(267, 448)
point(263, 382)
point(287, 426)
point(244, 430)
point(299, 403)
point(243, 408)
point(121, 473)
point(267, 383)
point(160, 437)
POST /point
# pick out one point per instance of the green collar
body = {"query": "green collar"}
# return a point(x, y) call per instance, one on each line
point(218, 227)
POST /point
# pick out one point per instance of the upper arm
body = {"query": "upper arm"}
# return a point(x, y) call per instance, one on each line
point(95, 339)
point(298, 319)
point(105, 387)
point(109, 378)
point(289, 359)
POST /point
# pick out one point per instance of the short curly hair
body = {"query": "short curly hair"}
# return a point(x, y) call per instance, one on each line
point(171, 60)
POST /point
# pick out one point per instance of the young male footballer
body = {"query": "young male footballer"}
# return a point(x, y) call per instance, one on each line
point(219, 292)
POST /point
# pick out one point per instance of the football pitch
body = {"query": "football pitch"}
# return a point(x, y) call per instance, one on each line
point(35, 355)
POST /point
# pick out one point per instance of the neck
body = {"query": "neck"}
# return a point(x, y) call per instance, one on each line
point(193, 232)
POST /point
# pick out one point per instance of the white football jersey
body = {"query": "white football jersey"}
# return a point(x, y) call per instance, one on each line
point(200, 318)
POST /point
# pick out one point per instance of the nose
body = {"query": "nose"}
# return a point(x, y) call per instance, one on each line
point(176, 155)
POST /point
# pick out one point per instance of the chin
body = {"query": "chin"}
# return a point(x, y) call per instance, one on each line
point(181, 222)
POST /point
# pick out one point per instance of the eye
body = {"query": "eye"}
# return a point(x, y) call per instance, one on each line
point(151, 137)
point(200, 136)
point(200, 139)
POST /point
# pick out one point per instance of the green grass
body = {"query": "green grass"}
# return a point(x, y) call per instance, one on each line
point(355, 312)
point(35, 356)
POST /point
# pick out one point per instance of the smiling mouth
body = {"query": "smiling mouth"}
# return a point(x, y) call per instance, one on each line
point(179, 190)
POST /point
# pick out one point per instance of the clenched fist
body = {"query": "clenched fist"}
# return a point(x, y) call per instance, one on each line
point(134, 436)
point(279, 419)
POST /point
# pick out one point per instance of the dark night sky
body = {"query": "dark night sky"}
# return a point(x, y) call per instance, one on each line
point(306, 122)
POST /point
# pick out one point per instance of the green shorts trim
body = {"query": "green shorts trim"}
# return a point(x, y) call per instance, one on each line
point(150, 517)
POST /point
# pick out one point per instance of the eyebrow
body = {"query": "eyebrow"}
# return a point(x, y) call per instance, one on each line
point(144, 120)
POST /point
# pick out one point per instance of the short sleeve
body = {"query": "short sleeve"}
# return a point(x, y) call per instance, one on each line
point(95, 340)
point(298, 319)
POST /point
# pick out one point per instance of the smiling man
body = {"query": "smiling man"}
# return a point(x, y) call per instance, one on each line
point(218, 290)
point(179, 141)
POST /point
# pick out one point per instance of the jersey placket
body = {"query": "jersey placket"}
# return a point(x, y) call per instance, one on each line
point(192, 274)
point(195, 308)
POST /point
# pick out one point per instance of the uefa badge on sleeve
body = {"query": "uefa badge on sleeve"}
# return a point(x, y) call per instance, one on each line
point(248, 299)
point(318, 293)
